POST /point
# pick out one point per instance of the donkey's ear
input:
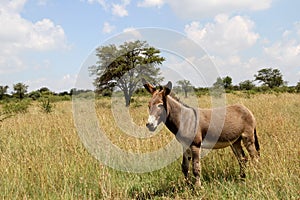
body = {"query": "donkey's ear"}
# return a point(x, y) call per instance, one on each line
point(168, 88)
point(148, 86)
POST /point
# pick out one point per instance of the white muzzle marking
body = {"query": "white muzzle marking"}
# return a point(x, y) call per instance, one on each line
point(152, 120)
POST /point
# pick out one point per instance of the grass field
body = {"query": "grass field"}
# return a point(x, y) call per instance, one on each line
point(42, 157)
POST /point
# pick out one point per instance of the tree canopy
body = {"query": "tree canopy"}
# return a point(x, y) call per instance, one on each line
point(270, 77)
point(20, 90)
point(225, 82)
point(124, 67)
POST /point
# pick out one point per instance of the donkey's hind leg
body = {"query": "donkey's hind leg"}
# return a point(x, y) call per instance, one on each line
point(240, 155)
point(196, 163)
point(249, 143)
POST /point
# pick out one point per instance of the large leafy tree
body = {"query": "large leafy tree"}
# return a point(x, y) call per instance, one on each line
point(20, 90)
point(269, 77)
point(125, 66)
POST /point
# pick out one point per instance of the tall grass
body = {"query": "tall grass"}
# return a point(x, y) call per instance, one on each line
point(42, 157)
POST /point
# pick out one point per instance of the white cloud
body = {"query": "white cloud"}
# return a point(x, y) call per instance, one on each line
point(19, 35)
point(240, 69)
point(10, 64)
point(285, 55)
point(188, 8)
point(12, 6)
point(102, 3)
point(225, 35)
point(201, 71)
point(297, 28)
point(119, 10)
point(285, 52)
point(108, 28)
point(205, 8)
point(151, 3)
point(132, 32)
point(57, 84)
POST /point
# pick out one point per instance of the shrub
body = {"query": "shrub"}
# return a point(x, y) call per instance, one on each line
point(10, 109)
point(16, 107)
point(46, 105)
point(34, 95)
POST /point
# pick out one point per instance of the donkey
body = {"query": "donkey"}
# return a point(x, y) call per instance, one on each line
point(195, 129)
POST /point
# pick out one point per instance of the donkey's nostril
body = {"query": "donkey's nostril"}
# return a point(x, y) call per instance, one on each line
point(149, 125)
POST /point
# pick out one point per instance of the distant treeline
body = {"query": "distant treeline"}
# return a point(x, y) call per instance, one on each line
point(20, 92)
point(271, 82)
point(44, 92)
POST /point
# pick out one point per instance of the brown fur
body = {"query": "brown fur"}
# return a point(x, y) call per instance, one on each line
point(205, 128)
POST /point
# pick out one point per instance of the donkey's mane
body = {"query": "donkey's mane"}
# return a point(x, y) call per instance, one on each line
point(173, 95)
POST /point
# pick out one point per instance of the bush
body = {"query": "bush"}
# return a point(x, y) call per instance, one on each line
point(46, 105)
point(201, 91)
point(11, 109)
point(35, 95)
point(16, 107)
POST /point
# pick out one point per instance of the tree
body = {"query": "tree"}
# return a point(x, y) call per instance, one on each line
point(186, 86)
point(298, 87)
point(125, 66)
point(20, 90)
point(246, 85)
point(225, 82)
point(3, 91)
point(34, 95)
point(218, 83)
point(45, 91)
point(270, 77)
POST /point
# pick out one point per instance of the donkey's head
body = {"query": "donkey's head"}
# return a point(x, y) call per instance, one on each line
point(157, 104)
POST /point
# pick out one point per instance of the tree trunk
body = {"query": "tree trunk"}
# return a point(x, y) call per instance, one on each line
point(185, 93)
point(127, 99)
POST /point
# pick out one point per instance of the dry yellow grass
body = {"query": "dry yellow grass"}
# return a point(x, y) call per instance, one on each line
point(42, 157)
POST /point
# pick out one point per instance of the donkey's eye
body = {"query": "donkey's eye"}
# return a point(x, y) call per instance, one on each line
point(160, 105)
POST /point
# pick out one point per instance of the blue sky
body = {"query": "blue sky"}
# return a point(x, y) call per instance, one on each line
point(45, 42)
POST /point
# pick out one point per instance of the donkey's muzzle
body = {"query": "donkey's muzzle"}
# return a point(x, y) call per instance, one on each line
point(152, 123)
point(151, 127)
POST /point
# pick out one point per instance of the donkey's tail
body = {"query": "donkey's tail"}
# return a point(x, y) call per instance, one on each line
point(256, 142)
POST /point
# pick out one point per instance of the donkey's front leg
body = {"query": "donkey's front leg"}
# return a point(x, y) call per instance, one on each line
point(196, 163)
point(186, 162)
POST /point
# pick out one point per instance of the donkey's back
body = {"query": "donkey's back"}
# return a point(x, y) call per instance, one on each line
point(223, 126)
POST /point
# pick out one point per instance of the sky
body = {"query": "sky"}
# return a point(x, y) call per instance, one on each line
point(45, 43)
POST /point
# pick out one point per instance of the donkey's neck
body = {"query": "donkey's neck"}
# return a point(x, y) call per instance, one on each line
point(173, 114)
point(180, 118)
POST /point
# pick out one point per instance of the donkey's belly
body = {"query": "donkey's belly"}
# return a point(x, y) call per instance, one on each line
point(214, 145)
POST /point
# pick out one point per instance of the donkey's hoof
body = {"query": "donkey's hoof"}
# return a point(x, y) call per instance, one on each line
point(243, 176)
point(198, 184)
